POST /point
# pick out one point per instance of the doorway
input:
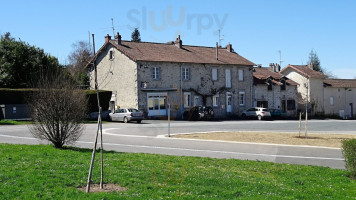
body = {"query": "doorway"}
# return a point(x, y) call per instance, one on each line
point(228, 102)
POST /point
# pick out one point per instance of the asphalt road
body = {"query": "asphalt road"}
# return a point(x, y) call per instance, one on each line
point(150, 137)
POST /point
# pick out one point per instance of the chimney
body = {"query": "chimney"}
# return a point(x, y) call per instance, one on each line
point(229, 47)
point(107, 38)
point(118, 37)
point(217, 51)
point(278, 68)
point(179, 42)
point(273, 67)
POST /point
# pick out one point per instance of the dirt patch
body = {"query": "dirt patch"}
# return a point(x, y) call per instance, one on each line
point(106, 188)
point(319, 139)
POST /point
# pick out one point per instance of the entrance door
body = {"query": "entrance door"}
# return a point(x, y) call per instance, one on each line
point(157, 104)
point(228, 102)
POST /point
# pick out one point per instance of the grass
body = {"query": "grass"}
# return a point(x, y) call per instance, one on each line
point(12, 122)
point(43, 172)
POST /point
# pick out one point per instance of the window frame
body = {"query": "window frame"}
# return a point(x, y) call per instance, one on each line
point(240, 74)
point(214, 74)
point(216, 100)
point(228, 78)
point(242, 98)
point(156, 72)
point(187, 99)
point(186, 73)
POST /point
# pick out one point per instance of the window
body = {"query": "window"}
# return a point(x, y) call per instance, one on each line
point(269, 87)
point(214, 74)
point(156, 73)
point(283, 86)
point(332, 101)
point(196, 101)
point(185, 74)
point(242, 98)
point(263, 104)
point(216, 100)
point(111, 55)
point(187, 99)
point(290, 105)
point(241, 74)
point(228, 78)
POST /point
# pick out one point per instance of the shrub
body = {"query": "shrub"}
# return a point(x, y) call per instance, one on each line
point(349, 153)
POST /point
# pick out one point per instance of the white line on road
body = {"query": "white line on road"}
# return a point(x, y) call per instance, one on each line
point(194, 150)
point(212, 151)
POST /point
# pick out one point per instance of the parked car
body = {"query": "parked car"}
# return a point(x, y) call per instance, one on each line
point(199, 113)
point(126, 114)
point(277, 113)
point(256, 112)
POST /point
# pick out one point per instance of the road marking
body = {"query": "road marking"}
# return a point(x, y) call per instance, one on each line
point(213, 151)
point(113, 134)
point(195, 150)
point(18, 137)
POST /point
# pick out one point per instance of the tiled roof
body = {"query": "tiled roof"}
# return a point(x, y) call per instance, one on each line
point(168, 52)
point(265, 72)
point(305, 71)
point(340, 83)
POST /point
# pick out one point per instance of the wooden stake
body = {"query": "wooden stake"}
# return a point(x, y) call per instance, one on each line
point(300, 122)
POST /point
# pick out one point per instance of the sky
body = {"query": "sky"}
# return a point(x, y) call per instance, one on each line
point(262, 31)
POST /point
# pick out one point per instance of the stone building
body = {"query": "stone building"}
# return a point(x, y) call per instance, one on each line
point(151, 76)
point(273, 90)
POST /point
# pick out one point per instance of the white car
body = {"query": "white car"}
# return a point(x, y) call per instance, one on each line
point(256, 112)
point(126, 114)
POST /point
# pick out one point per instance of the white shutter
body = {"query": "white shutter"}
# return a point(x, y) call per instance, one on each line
point(228, 78)
point(214, 74)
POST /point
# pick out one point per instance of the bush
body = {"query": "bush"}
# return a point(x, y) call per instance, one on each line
point(349, 153)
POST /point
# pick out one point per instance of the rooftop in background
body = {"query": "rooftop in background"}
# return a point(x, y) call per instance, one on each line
point(305, 71)
point(340, 83)
point(263, 73)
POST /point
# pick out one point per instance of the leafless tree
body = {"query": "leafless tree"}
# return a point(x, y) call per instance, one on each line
point(57, 109)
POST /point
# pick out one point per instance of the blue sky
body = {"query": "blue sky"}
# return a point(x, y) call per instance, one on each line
point(257, 29)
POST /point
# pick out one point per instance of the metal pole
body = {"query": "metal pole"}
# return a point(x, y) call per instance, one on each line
point(169, 120)
point(300, 121)
point(101, 152)
point(306, 125)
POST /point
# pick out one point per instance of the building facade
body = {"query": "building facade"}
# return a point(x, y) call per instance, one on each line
point(275, 91)
point(157, 77)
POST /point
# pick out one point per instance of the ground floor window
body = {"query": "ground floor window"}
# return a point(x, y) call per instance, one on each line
point(263, 104)
point(157, 104)
point(290, 105)
point(242, 98)
point(216, 100)
point(187, 99)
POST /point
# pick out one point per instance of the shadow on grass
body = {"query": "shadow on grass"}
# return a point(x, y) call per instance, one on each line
point(86, 150)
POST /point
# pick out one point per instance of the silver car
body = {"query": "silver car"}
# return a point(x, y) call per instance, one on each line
point(256, 112)
point(126, 114)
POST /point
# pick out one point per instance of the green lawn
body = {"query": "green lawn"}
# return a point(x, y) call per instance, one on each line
point(12, 122)
point(34, 172)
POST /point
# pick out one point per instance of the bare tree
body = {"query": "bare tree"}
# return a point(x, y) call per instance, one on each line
point(78, 60)
point(57, 109)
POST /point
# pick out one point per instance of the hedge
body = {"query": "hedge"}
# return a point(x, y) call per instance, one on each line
point(349, 153)
point(19, 96)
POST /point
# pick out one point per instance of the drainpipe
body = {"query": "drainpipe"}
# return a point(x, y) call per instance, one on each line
point(181, 92)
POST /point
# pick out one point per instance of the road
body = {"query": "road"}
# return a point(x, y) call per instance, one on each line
point(150, 137)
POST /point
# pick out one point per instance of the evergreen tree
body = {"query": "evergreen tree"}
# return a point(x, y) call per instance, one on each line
point(135, 36)
point(22, 64)
point(314, 61)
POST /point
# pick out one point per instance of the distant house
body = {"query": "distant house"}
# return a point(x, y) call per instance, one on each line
point(340, 97)
point(151, 76)
point(310, 86)
point(325, 96)
point(273, 90)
